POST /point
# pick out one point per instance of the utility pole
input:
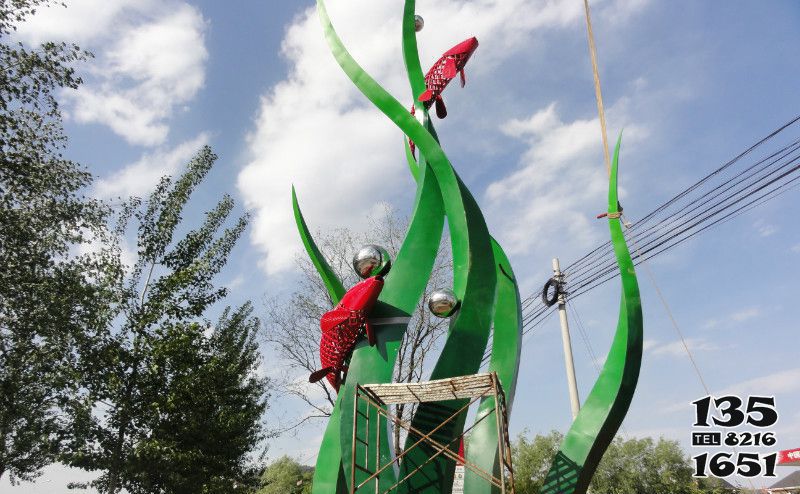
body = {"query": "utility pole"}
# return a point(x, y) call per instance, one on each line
point(569, 363)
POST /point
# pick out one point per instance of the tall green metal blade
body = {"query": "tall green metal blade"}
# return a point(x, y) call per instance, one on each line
point(329, 473)
point(401, 292)
point(474, 276)
point(605, 407)
point(437, 476)
point(416, 78)
point(404, 286)
point(507, 315)
point(481, 448)
point(332, 282)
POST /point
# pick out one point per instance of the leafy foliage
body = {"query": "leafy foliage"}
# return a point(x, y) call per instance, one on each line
point(171, 403)
point(532, 458)
point(51, 283)
point(107, 368)
point(286, 476)
point(632, 466)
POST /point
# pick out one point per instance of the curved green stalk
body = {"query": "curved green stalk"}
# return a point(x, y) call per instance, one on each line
point(401, 292)
point(462, 225)
point(474, 275)
point(332, 282)
point(416, 78)
point(328, 473)
point(481, 448)
point(507, 317)
point(605, 407)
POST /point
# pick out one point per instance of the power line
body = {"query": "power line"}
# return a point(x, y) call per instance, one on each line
point(674, 200)
point(687, 214)
point(766, 179)
point(786, 158)
point(673, 241)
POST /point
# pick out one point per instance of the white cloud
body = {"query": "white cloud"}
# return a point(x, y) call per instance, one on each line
point(676, 348)
point(139, 177)
point(150, 60)
point(733, 318)
point(783, 382)
point(314, 130)
point(746, 314)
point(796, 248)
point(235, 283)
point(765, 229)
point(561, 157)
point(649, 344)
point(82, 21)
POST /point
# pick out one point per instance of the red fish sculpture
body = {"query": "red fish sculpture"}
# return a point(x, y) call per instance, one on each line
point(444, 71)
point(341, 328)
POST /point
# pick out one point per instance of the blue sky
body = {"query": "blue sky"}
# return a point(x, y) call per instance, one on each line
point(692, 83)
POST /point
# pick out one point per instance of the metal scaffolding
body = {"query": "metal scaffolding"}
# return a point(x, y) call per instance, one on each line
point(472, 388)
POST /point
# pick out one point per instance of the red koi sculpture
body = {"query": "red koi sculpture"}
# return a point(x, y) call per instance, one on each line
point(440, 75)
point(341, 328)
point(444, 71)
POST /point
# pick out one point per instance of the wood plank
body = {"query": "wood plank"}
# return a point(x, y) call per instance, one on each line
point(461, 387)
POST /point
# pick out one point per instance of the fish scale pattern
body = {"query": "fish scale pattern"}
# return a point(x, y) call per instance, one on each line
point(344, 325)
point(337, 344)
point(436, 81)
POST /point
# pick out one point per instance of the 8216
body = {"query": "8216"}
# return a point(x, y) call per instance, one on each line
point(759, 412)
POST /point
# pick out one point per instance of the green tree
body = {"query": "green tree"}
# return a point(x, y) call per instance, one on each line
point(643, 465)
point(286, 476)
point(632, 466)
point(209, 411)
point(50, 292)
point(170, 402)
point(531, 460)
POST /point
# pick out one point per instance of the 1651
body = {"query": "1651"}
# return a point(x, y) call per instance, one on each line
point(726, 464)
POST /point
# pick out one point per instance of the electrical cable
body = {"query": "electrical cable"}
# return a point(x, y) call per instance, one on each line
point(722, 205)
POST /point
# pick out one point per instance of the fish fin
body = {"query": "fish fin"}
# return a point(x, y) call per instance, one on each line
point(318, 375)
point(333, 318)
point(370, 333)
point(463, 78)
point(426, 96)
point(441, 110)
point(449, 68)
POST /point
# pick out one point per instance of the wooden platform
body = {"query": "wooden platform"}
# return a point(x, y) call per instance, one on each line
point(453, 388)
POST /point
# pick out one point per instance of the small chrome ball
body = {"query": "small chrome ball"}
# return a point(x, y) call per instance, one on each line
point(443, 302)
point(419, 23)
point(372, 260)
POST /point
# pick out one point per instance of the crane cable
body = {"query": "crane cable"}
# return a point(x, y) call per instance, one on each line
point(602, 118)
point(597, 91)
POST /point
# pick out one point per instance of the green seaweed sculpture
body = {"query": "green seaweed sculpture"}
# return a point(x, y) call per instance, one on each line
point(490, 305)
point(605, 407)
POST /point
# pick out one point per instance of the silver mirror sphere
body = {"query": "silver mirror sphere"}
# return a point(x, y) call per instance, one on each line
point(371, 260)
point(443, 302)
point(419, 23)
